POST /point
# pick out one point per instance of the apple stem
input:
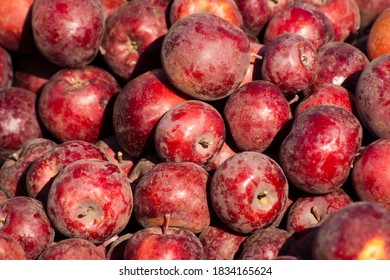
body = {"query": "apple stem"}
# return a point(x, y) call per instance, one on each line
point(167, 218)
point(257, 56)
point(293, 100)
point(119, 156)
point(315, 213)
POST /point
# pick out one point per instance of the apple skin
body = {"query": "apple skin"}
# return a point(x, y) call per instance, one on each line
point(139, 106)
point(257, 113)
point(370, 10)
point(312, 210)
point(6, 69)
point(172, 244)
point(372, 96)
point(3, 196)
point(176, 188)
point(227, 150)
point(254, 70)
point(90, 199)
point(378, 36)
point(226, 9)
point(18, 120)
point(191, 50)
point(359, 231)
point(44, 169)
point(10, 249)
point(302, 19)
point(14, 169)
point(110, 6)
point(116, 249)
point(132, 39)
point(220, 243)
point(76, 104)
point(192, 131)
point(290, 61)
point(323, 141)
point(25, 219)
point(246, 207)
point(370, 173)
point(72, 249)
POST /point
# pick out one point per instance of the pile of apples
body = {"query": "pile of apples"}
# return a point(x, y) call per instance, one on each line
point(193, 129)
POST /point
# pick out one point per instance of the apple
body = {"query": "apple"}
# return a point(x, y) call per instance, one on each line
point(139, 106)
point(359, 231)
point(378, 37)
point(248, 191)
point(302, 245)
point(68, 32)
point(6, 69)
point(191, 56)
point(3, 196)
point(90, 199)
point(110, 6)
point(72, 249)
point(254, 70)
point(369, 11)
point(144, 165)
point(10, 249)
point(116, 249)
point(227, 150)
point(25, 220)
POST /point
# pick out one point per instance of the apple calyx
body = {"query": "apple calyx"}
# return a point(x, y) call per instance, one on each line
point(167, 218)
point(85, 213)
point(204, 143)
point(262, 197)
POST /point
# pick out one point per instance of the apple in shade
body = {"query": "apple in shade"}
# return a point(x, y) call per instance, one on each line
point(163, 243)
point(116, 248)
point(68, 33)
point(132, 38)
point(226, 9)
point(248, 191)
point(6, 69)
point(18, 119)
point(227, 150)
point(254, 70)
point(372, 96)
point(265, 244)
point(192, 131)
point(176, 188)
point(359, 231)
point(220, 242)
point(90, 199)
point(302, 246)
point(72, 249)
point(370, 10)
point(302, 19)
point(44, 169)
point(371, 173)
point(312, 210)
point(290, 62)
point(14, 169)
point(139, 106)
point(257, 113)
point(10, 249)
point(76, 104)
point(323, 141)
point(25, 220)
point(191, 50)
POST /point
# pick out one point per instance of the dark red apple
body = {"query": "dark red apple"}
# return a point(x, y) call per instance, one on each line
point(193, 59)
point(116, 249)
point(318, 152)
point(110, 6)
point(6, 69)
point(248, 191)
point(68, 32)
point(10, 249)
point(90, 199)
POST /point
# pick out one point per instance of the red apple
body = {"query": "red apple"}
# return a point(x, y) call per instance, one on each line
point(3, 196)
point(248, 191)
point(10, 249)
point(227, 150)
point(370, 10)
point(68, 32)
point(6, 69)
point(110, 6)
point(191, 56)
point(90, 199)
point(117, 248)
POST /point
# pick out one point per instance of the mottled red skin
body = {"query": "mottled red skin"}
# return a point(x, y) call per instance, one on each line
point(323, 141)
point(68, 33)
point(254, 70)
point(226, 9)
point(257, 13)
point(176, 188)
point(10, 249)
point(343, 14)
point(133, 35)
point(302, 19)
point(256, 114)
point(264, 244)
point(18, 119)
point(72, 249)
point(220, 243)
point(290, 62)
point(117, 248)
point(3, 196)
point(327, 94)
point(191, 131)
point(14, 169)
point(371, 172)
point(248, 191)
point(227, 150)
point(25, 219)
point(191, 51)
point(358, 231)
point(372, 97)
point(312, 210)
point(153, 244)
point(43, 170)
point(6, 69)
point(139, 106)
point(90, 199)
point(110, 6)
point(370, 10)
point(340, 63)
point(15, 26)
point(77, 104)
